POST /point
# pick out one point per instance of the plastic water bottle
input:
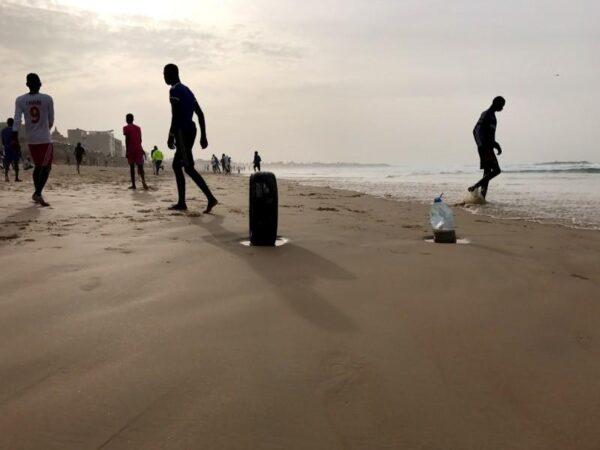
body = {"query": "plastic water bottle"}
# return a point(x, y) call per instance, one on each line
point(441, 219)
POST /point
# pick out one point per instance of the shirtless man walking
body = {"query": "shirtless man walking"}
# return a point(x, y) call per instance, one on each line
point(485, 137)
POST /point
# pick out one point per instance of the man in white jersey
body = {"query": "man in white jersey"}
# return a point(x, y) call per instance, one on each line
point(38, 110)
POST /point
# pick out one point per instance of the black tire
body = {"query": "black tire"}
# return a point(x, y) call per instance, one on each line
point(263, 209)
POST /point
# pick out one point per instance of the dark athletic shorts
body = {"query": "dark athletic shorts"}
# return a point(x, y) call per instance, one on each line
point(487, 158)
point(184, 142)
point(41, 154)
point(11, 156)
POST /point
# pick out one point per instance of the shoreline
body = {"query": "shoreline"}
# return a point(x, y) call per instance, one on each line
point(455, 206)
point(125, 325)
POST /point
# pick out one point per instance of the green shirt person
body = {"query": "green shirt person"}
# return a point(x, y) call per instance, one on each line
point(157, 158)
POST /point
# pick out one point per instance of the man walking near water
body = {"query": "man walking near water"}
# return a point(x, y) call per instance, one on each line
point(182, 135)
point(38, 110)
point(257, 161)
point(485, 137)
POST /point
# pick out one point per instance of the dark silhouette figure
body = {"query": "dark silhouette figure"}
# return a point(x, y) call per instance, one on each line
point(215, 164)
point(182, 135)
point(38, 110)
point(257, 161)
point(11, 155)
point(134, 151)
point(79, 152)
point(224, 163)
point(485, 137)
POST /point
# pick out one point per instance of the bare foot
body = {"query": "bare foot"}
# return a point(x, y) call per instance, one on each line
point(178, 207)
point(211, 205)
point(39, 200)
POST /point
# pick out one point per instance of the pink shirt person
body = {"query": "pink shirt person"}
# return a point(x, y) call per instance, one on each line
point(133, 143)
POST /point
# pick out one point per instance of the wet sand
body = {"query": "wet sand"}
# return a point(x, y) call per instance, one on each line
point(123, 325)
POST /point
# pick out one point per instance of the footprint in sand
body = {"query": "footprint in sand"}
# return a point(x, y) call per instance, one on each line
point(579, 277)
point(9, 237)
point(125, 251)
point(342, 376)
point(91, 284)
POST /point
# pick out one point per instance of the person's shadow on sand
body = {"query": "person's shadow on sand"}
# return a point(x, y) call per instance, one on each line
point(290, 269)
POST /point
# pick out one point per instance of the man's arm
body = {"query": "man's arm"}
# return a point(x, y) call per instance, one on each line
point(126, 143)
point(171, 140)
point(202, 122)
point(51, 113)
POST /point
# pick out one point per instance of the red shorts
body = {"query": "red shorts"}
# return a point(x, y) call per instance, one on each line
point(41, 154)
point(135, 158)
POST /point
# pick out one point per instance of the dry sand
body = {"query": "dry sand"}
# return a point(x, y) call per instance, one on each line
point(125, 326)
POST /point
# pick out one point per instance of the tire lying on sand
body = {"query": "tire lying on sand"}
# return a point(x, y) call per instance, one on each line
point(263, 209)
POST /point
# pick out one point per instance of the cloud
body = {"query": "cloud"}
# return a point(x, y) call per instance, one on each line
point(68, 42)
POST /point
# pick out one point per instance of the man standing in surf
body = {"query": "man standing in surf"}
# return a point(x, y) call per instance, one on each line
point(38, 110)
point(485, 137)
point(182, 135)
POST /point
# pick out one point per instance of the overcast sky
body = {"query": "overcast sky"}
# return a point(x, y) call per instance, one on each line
point(398, 81)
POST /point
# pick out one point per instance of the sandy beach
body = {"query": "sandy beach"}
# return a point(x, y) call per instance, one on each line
point(123, 325)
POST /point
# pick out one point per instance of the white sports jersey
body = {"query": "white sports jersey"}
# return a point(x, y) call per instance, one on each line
point(38, 110)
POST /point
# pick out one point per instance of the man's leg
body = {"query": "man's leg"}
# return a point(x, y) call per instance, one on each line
point(36, 179)
point(142, 175)
point(194, 175)
point(40, 177)
point(6, 169)
point(185, 142)
point(132, 175)
point(488, 174)
point(492, 173)
point(16, 167)
point(180, 180)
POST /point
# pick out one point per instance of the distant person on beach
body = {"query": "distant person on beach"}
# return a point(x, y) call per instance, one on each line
point(134, 150)
point(79, 152)
point(215, 164)
point(38, 110)
point(157, 158)
point(182, 135)
point(257, 161)
point(485, 137)
point(11, 155)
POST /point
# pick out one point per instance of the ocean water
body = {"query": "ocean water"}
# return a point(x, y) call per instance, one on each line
point(566, 193)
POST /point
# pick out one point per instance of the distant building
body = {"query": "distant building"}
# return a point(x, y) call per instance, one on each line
point(58, 138)
point(119, 150)
point(103, 142)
